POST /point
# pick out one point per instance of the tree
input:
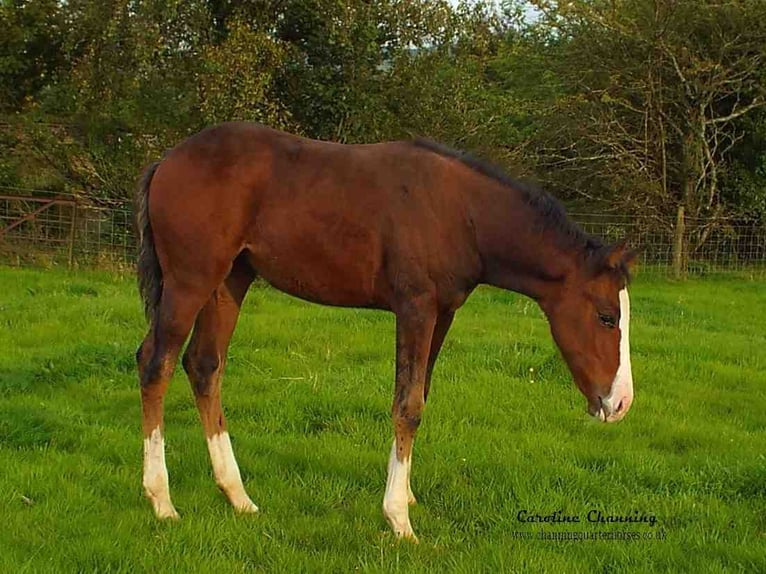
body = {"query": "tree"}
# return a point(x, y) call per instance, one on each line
point(31, 38)
point(653, 94)
point(120, 95)
point(237, 78)
point(134, 77)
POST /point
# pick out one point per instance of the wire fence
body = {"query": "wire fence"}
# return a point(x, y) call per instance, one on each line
point(729, 245)
point(65, 231)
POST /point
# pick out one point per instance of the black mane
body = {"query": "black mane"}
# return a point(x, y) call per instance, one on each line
point(552, 214)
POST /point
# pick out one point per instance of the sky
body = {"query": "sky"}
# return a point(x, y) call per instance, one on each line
point(530, 12)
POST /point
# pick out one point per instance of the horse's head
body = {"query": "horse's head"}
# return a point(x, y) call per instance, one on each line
point(589, 320)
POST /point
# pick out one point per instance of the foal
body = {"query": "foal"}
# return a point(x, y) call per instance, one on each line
point(409, 227)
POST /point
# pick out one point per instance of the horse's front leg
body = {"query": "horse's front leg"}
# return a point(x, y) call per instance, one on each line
point(414, 329)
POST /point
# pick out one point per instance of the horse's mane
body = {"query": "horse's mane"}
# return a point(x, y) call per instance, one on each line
point(551, 214)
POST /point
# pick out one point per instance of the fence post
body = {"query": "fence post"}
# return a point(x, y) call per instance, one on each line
point(678, 244)
point(72, 235)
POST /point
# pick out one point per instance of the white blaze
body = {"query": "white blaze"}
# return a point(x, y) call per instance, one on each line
point(622, 385)
point(395, 501)
point(226, 472)
point(156, 475)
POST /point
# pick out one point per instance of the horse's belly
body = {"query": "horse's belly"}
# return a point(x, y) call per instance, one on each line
point(335, 264)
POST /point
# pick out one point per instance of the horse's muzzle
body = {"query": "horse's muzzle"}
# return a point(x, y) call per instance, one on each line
point(610, 409)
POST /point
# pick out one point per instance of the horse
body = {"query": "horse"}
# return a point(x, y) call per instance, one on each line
point(410, 227)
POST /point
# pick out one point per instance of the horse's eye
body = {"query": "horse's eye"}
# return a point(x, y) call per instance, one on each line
point(607, 320)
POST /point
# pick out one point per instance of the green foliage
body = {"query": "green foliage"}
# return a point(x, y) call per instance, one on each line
point(237, 79)
point(136, 77)
point(621, 105)
point(650, 95)
point(31, 55)
point(744, 182)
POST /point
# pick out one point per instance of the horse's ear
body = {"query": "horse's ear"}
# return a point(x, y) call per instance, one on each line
point(630, 257)
point(618, 255)
point(615, 254)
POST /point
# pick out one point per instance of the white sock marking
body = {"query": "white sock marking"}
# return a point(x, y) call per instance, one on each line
point(395, 501)
point(226, 472)
point(156, 475)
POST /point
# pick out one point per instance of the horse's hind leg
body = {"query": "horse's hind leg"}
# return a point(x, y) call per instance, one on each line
point(157, 358)
point(204, 363)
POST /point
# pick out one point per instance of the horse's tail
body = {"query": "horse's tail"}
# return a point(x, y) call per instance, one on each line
point(148, 267)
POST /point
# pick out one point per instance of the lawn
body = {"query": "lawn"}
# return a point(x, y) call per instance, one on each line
point(307, 394)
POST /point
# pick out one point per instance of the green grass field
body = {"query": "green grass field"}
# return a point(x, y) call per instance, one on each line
point(308, 393)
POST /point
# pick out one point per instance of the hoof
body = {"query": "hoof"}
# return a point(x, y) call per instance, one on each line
point(400, 524)
point(408, 537)
point(165, 511)
point(246, 508)
point(240, 500)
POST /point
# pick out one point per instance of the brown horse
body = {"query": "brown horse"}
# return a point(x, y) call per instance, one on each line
point(410, 227)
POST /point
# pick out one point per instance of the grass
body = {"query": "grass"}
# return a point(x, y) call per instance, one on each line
point(308, 393)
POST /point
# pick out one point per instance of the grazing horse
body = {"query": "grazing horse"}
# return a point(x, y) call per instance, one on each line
point(409, 227)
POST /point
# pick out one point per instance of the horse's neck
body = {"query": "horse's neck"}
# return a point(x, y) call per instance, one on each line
point(518, 253)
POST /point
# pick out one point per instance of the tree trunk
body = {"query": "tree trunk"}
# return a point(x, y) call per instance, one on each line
point(679, 244)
